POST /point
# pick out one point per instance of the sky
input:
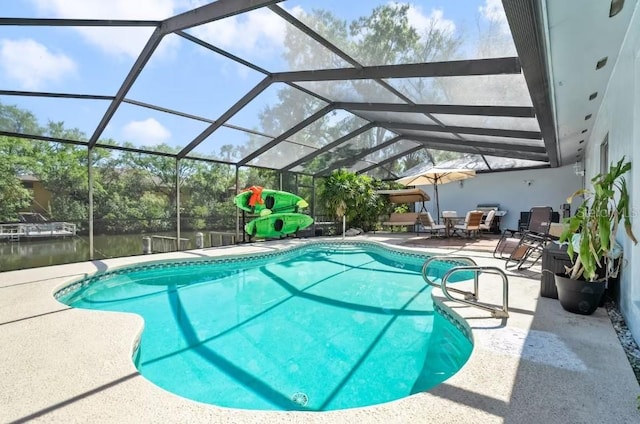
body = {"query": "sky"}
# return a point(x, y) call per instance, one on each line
point(181, 75)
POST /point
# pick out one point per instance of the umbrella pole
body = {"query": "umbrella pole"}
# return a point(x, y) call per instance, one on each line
point(435, 187)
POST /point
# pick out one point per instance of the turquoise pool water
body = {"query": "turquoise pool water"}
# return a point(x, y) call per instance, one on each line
point(319, 328)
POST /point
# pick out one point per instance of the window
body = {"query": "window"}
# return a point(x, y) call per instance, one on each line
point(604, 155)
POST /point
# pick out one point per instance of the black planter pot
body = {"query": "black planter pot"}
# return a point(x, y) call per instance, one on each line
point(579, 296)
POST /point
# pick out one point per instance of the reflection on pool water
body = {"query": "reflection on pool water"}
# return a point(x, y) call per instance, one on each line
point(321, 327)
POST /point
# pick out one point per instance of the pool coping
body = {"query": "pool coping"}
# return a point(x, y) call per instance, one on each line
point(539, 366)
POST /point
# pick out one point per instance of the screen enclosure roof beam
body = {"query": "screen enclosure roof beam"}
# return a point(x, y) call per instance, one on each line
point(355, 158)
point(390, 159)
point(288, 133)
point(255, 91)
point(494, 132)
point(507, 111)
point(478, 144)
point(330, 146)
point(498, 66)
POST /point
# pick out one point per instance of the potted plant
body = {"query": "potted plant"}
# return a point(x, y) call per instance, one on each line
point(590, 234)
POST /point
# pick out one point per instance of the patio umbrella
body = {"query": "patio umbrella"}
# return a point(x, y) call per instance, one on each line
point(437, 176)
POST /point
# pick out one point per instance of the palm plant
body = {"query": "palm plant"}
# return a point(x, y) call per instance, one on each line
point(591, 231)
point(346, 194)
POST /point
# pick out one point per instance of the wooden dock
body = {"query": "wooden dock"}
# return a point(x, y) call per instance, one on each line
point(20, 231)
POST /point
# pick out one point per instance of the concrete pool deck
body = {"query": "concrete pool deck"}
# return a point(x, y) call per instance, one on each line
point(542, 365)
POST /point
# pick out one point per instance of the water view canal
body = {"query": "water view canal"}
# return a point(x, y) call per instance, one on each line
point(30, 254)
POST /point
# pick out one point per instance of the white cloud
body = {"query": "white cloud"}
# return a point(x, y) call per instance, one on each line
point(115, 41)
point(32, 65)
point(242, 71)
point(494, 12)
point(147, 132)
point(435, 19)
point(259, 32)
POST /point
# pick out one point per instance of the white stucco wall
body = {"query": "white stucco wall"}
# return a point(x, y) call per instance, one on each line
point(619, 116)
point(515, 191)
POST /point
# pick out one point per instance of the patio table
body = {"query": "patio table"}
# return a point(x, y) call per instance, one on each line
point(450, 222)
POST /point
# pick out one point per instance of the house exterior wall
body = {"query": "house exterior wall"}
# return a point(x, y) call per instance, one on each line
point(515, 191)
point(619, 117)
point(41, 198)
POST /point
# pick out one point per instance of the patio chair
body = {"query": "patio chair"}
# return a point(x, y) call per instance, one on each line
point(431, 226)
point(471, 223)
point(522, 249)
point(523, 222)
point(488, 221)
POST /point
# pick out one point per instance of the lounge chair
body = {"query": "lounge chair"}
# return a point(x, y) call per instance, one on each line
point(522, 249)
point(471, 223)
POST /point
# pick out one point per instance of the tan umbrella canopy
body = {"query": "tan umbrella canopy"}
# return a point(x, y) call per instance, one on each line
point(437, 176)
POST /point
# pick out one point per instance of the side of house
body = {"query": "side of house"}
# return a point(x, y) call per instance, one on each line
point(41, 196)
point(515, 191)
point(616, 133)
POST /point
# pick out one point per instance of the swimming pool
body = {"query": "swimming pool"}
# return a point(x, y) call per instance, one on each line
point(319, 327)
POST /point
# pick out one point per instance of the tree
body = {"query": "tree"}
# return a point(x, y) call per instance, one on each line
point(17, 120)
point(64, 175)
point(384, 37)
point(133, 192)
point(353, 196)
point(13, 196)
point(207, 195)
point(388, 38)
point(61, 168)
point(20, 158)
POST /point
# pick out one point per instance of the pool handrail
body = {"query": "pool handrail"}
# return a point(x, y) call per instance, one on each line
point(471, 298)
point(467, 295)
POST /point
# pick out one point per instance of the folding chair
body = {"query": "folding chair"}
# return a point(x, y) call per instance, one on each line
point(522, 249)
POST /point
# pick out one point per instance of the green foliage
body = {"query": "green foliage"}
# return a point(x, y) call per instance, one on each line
point(347, 194)
point(383, 37)
point(392, 22)
point(13, 197)
point(64, 175)
point(591, 231)
point(62, 169)
point(17, 120)
point(136, 192)
point(259, 177)
point(133, 192)
point(15, 162)
point(401, 208)
point(207, 197)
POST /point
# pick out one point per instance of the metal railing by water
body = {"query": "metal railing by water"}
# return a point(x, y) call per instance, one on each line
point(470, 298)
point(221, 238)
point(164, 244)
